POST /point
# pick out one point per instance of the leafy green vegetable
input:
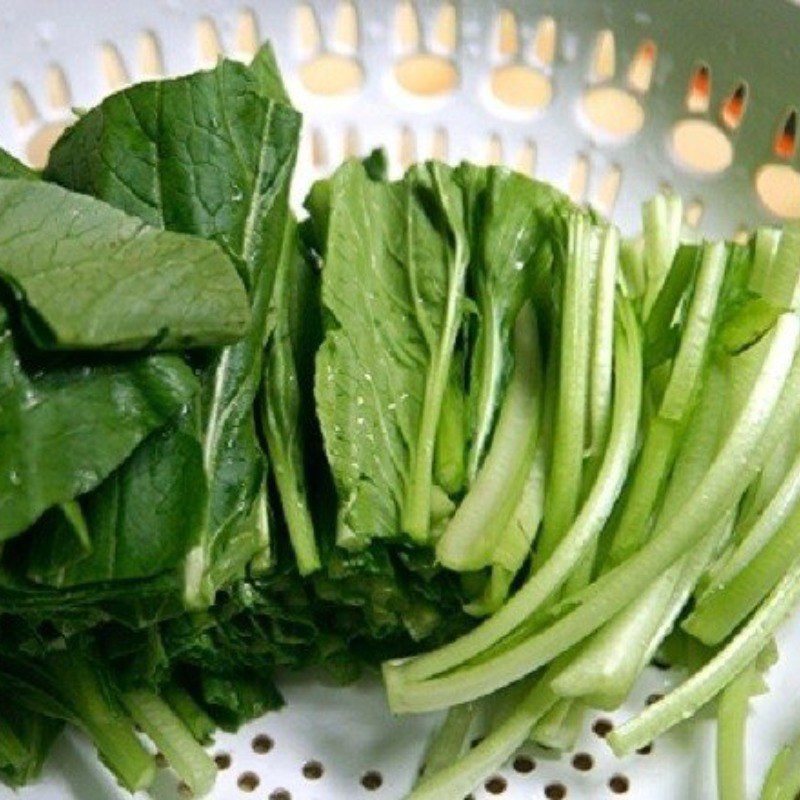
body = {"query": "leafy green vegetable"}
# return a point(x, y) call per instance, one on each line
point(63, 432)
point(473, 534)
point(25, 740)
point(413, 682)
point(287, 412)
point(510, 223)
point(146, 495)
point(395, 262)
point(129, 286)
point(210, 154)
point(358, 437)
point(10, 167)
point(68, 686)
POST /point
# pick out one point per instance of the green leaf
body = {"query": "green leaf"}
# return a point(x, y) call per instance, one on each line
point(264, 68)
point(160, 488)
point(128, 285)
point(64, 431)
point(287, 410)
point(10, 167)
point(25, 741)
point(56, 541)
point(209, 154)
point(395, 262)
point(510, 220)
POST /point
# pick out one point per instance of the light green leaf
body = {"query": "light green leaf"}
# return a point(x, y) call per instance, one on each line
point(394, 268)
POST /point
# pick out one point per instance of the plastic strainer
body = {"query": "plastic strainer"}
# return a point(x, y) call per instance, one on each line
point(609, 99)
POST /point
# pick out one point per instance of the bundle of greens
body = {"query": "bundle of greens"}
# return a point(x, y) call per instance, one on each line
point(159, 322)
point(451, 423)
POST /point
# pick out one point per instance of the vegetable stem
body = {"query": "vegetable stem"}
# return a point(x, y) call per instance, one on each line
point(107, 726)
point(189, 761)
point(470, 539)
point(705, 684)
point(540, 586)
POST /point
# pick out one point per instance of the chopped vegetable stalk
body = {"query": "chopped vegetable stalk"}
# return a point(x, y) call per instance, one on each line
point(631, 256)
point(107, 726)
point(765, 247)
point(461, 777)
point(541, 585)
point(661, 328)
point(742, 650)
point(560, 727)
point(189, 761)
point(752, 541)
point(731, 730)
point(730, 473)
point(719, 612)
point(569, 433)
point(606, 666)
point(481, 519)
point(452, 738)
point(514, 545)
point(662, 218)
point(783, 777)
point(661, 441)
point(602, 349)
point(202, 727)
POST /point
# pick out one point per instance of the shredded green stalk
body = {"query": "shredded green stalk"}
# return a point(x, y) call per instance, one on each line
point(661, 221)
point(460, 778)
point(452, 738)
point(705, 684)
point(541, 585)
point(189, 712)
point(729, 475)
point(189, 761)
point(566, 460)
point(731, 730)
point(470, 539)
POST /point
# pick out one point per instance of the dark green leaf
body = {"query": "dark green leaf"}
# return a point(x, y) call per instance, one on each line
point(10, 167)
point(89, 276)
point(209, 154)
point(62, 432)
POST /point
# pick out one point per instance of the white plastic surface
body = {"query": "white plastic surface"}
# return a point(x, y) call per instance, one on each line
point(51, 54)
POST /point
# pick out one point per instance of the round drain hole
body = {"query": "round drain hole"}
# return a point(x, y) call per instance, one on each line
point(582, 762)
point(496, 785)
point(248, 781)
point(619, 784)
point(262, 744)
point(602, 727)
point(372, 781)
point(524, 765)
point(312, 770)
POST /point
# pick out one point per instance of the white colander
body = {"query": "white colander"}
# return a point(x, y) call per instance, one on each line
point(610, 100)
